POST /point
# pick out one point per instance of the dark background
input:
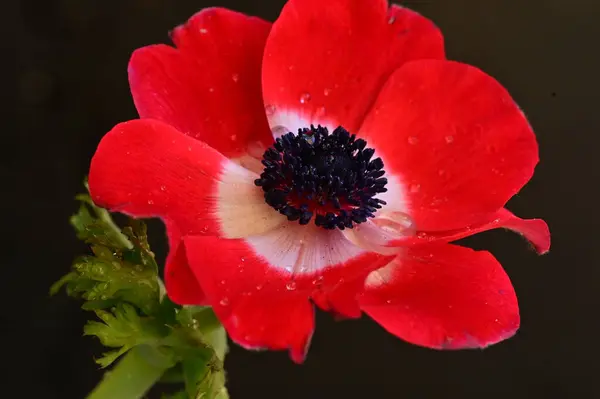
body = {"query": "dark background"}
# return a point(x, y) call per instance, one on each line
point(71, 87)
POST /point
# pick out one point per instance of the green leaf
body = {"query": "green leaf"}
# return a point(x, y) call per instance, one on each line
point(121, 268)
point(156, 338)
point(94, 225)
point(123, 328)
point(177, 395)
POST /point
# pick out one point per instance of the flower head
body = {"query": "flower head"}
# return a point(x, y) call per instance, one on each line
point(325, 159)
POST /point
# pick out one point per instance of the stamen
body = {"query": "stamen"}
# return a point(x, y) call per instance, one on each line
point(328, 176)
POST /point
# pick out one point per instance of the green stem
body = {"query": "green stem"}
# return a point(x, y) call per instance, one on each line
point(134, 375)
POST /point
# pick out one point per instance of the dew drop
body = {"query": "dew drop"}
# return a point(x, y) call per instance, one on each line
point(305, 98)
point(421, 234)
point(204, 31)
point(449, 139)
point(242, 259)
point(413, 140)
point(224, 302)
point(392, 20)
point(233, 137)
point(211, 89)
point(269, 109)
point(291, 285)
point(318, 280)
point(289, 268)
point(326, 92)
point(163, 188)
point(223, 282)
point(235, 77)
point(259, 287)
point(388, 301)
point(415, 188)
point(150, 202)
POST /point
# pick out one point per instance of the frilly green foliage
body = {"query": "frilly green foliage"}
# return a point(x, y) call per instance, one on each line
point(119, 281)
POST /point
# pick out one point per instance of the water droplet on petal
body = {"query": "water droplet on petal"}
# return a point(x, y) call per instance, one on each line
point(233, 137)
point(318, 280)
point(163, 188)
point(203, 31)
point(235, 77)
point(326, 92)
point(211, 89)
point(224, 302)
point(269, 109)
point(392, 20)
point(223, 282)
point(414, 188)
point(259, 287)
point(289, 268)
point(242, 259)
point(150, 202)
point(449, 139)
point(388, 301)
point(291, 285)
point(413, 140)
point(305, 98)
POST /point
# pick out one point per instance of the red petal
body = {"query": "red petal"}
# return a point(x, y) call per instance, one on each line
point(455, 138)
point(180, 282)
point(209, 87)
point(146, 168)
point(534, 230)
point(326, 62)
point(259, 306)
point(445, 297)
point(245, 280)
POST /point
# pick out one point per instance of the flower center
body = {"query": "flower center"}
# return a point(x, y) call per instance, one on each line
point(329, 176)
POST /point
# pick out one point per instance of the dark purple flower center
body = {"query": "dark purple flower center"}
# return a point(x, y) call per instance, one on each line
point(329, 176)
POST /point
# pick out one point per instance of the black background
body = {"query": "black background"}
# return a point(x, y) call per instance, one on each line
point(71, 87)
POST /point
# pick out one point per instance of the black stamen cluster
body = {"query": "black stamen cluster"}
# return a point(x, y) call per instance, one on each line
point(332, 170)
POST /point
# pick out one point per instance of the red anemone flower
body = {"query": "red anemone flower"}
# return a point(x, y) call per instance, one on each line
point(328, 158)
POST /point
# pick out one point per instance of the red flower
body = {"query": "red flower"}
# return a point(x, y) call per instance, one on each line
point(322, 220)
